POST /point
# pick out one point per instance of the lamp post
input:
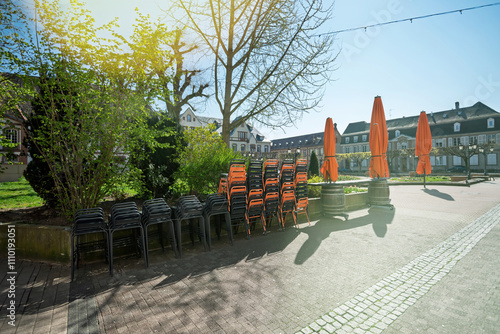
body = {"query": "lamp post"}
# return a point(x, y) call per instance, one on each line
point(485, 150)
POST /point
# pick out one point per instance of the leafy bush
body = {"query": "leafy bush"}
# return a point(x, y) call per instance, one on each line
point(314, 191)
point(157, 158)
point(202, 161)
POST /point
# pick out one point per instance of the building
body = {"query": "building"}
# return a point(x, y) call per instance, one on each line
point(303, 146)
point(245, 138)
point(461, 126)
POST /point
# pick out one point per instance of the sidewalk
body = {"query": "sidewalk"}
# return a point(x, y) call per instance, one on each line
point(429, 265)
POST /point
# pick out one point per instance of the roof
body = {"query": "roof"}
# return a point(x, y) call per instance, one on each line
point(303, 140)
point(472, 119)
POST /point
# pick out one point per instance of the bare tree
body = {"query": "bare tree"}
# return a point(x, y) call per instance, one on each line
point(270, 59)
point(182, 80)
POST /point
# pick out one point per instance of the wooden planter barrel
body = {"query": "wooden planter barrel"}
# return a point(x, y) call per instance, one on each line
point(378, 192)
point(333, 200)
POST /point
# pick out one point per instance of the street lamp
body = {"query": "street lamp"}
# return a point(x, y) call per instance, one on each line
point(484, 151)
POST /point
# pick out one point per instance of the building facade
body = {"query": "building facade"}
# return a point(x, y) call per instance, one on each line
point(303, 146)
point(245, 139)
point(461, 127)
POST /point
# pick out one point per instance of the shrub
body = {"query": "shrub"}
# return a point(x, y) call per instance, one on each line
point(203, 159)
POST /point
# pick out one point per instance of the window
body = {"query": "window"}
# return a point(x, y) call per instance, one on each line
point(456, 141)
point(189, 118)
point(491, 123)
point(474, 160)
point(365, 148)
point(437, 143)
point(355, 139)
point(242, 135)
point(346, 149)
point(473, 140)
point(397, 133)
point(11, 135)
point(347, 140)
point(457, 161)
point(266, 148)
point(438, 161)
point(364, 137)
point(194, 119)
point(243, 147)
point(492, 159)
point(490, 139)
point(456, 127)
point(235, 147)
point(258, 148)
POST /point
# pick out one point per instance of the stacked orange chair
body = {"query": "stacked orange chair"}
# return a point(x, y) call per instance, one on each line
point(237, 193)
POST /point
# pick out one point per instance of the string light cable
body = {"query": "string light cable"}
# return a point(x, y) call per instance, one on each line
point(411, 19)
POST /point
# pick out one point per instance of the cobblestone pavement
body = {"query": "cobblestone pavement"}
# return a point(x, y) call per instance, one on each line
point(430, 265)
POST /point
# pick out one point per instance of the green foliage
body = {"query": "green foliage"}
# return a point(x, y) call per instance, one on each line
point(314, 191)
point(158, 163)
point(313, 165)
point(354, 189)
point(202, 161)
point(428, 178)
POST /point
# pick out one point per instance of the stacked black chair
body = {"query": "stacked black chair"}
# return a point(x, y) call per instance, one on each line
point(86, 221)
point(300, 180)
point(301, 196)
point(125, 216)
point(287, 191)
point(156, 212)
point(254, 175)
point(189, 208)
point(237, 194)
point(215, 206)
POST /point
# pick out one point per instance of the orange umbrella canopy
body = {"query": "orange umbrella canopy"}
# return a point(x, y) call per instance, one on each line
point(329, 169)
point(423, 145)
point(378, 141)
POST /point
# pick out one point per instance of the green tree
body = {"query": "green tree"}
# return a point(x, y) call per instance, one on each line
point(202, 161)
point(158, 163)
point(313, 165)
point(91, 119)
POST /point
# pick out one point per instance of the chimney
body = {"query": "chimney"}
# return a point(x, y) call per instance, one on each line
point(457, 105)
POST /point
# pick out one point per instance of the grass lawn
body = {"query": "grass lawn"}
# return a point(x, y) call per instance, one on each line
point(14, 195)
point(421, 179)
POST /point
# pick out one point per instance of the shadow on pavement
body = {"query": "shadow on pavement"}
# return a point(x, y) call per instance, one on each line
point(437, 193)
point(377, 217)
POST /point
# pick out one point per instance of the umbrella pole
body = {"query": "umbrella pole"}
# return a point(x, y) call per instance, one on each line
point(424, 178)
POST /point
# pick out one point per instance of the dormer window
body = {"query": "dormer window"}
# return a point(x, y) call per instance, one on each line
point(364, 137)
point(347, 140)
point(355, 139)
point(456, 127)
point(189, 118)
point(491, 123)
point(397, 133)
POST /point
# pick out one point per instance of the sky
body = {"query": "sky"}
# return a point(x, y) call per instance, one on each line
point(426, 65)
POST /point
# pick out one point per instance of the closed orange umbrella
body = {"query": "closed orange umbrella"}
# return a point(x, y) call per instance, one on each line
point(423, 145)
point(329, 169)
point(378, 141)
